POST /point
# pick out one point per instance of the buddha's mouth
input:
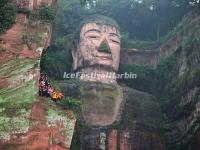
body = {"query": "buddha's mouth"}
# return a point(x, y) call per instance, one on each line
point(104, 56)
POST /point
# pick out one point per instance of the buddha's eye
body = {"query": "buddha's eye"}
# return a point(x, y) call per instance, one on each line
point(92, 37)
point(115, 41)
point(114, 38)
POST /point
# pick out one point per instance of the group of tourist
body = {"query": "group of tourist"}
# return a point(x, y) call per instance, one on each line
point(45, 89)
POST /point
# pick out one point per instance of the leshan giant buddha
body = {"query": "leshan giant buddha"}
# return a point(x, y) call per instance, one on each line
point(107, 110)
point(96, 54)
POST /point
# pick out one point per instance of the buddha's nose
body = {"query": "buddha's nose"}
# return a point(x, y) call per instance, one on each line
point(104, 47)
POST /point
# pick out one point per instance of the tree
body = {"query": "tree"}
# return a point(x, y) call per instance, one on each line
point(7, 15)
point(46, 13)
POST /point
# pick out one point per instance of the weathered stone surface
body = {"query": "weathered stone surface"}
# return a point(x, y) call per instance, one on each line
point(139, 126)
point(136, 56)
point(125, 142)
point(17, 40)
point(100, 103)
point(98, 50)
point(26, 120)
point(112, 140)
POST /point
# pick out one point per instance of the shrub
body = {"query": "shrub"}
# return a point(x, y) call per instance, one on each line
point(187, 43)
point(56, 63)
point(165, 72)
point(7, 15)
point(46, 13)
point(71, 103)
point(29, 39)
point(145, 77)
point(191, 42)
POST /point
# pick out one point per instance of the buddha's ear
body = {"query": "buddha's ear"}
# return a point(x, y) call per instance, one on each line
point(74, 52)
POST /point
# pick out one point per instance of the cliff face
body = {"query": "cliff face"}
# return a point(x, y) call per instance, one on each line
point(167, 46)
point(22, 41)
point(177, 89)
point(135, 56)
point(180, 94)
point(28, 121)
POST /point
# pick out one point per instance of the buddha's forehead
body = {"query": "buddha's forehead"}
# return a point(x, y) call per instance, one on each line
point(100, 27)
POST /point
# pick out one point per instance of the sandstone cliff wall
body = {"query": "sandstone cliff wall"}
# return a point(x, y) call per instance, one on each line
point(28, 121)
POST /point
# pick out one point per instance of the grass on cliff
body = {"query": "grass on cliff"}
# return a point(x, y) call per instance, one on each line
point(145, 80)
point(16, 67)
point(15, 107)
point(72, 104)
point(57, 117)
point(16, 99)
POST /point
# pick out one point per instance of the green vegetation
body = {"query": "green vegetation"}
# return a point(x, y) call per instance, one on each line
point(46, 13)
point(142, 107)
point(169, 83)
point(165, 71)
point(17, 99)
point(191, 42)
point(80, 129)
point(38, 35)
point(43, 13)
point(145, 80)
point(142, 45)
point(7, 15)
point(57, 117)
point(71, 103)
point(179, 93)
point(29, 39)
point(55, 63)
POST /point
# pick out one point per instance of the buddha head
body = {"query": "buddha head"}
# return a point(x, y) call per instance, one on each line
point(98, 46)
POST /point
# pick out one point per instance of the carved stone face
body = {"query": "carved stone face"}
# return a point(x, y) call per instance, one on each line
point(99, 47)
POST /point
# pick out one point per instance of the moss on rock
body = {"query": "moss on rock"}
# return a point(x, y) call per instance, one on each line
point(16, 99)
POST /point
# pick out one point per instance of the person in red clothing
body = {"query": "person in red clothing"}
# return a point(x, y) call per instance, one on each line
point(50, 90)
